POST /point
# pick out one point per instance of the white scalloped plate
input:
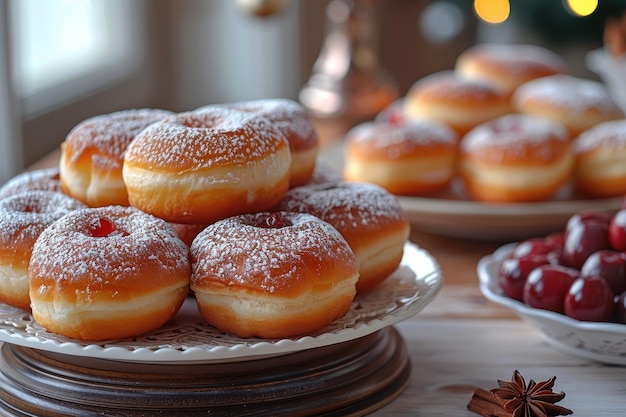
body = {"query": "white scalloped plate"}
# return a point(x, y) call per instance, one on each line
point(186, 339)
point(598, 342)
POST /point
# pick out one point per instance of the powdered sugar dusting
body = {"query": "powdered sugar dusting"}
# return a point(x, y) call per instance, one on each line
point(518, 58)
point(46, 179)
point(514, 132)
point(287, 115)
point(564, 91)
point(25, 215)
point(451, 86)
point(68, 249)
point(608, 135)
point(236, 252)
point(205, 138)
point(409, 135)
point(107, 136)
point(346, 205)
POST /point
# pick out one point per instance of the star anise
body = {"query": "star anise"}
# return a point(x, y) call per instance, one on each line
point(516, 399)
point(532, 400)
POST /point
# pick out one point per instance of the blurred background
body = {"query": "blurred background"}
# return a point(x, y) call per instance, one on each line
point(63, 61)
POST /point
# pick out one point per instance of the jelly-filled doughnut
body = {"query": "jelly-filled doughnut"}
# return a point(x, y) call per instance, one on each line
point(367, 216)
point(575, 102)
point(291, 119)
point(459, 102)
point(44, 179)
point(23, 217)
point(516, 158)
point(509, 65)
point(202, 166)
point(416, 157)
point(92, 155)
point(601, 160)
point(107, 273)
point(272, 275)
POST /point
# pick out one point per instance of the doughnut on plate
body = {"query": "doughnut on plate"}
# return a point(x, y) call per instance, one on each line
point(186, 339)
point(453, 214)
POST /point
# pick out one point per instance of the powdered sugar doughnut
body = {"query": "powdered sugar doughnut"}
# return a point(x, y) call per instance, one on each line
point(272, 275)
point(23, 217)
point(601, 160)
point(92, 155)
point(203, 166)
point(509, 65)
point(367, 216)
point(44, 179)
point(416, 157)
point(291, 119)
point(107, 273)
point(516, 158)
point(575, 102)
point(458, 102)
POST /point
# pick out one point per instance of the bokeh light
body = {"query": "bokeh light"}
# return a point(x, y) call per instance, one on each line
point(492, 11)
point(582, 7)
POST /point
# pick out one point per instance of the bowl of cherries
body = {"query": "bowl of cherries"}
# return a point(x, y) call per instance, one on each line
point(569, 285)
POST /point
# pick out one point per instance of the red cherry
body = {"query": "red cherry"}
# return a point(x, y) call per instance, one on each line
point(583, 239)
point(533, 246)
point(271, 221)
point(608, 264)
point(513, 272)
point(588, 215)
point(589, 299)
point(617, 230)
point(105, 228)
point(547, 285)
point(556, 257)
point(555, 240)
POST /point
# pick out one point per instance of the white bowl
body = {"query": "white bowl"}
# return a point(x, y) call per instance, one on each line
point(598, 342)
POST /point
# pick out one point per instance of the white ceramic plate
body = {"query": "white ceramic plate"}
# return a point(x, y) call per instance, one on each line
point(455, 215)
point(187, 339)
point(598, 342)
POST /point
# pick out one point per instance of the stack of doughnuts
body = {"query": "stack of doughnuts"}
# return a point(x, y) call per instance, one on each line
point(501, 100)
point(148, 205)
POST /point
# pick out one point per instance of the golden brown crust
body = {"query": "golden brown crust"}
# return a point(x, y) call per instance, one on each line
point(272, 274)
point(79, 280)
point(459, 102)
point(601, 160)
point(200, 167)
point(509, 65)
point(23, 217)
point(368, 217)
point(414, 157)
point(577, 103)
point(292, 120)
point(516, 158)
point(92, 155)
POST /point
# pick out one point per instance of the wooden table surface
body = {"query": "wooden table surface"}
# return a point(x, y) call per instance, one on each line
point(461, 341)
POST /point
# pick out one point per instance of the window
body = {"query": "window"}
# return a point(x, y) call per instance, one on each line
point(62, 48)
